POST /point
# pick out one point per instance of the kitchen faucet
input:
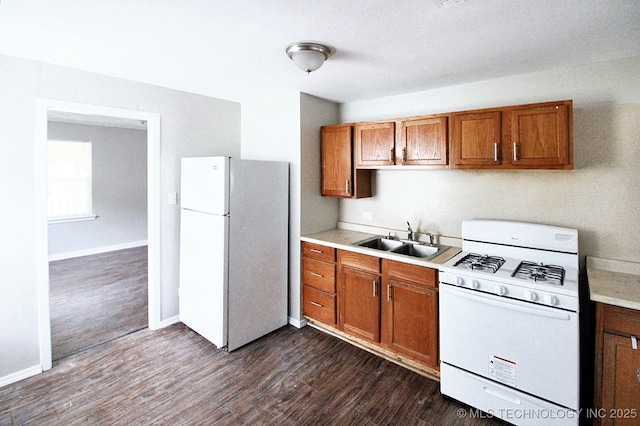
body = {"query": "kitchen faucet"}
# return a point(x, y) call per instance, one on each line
point(409, 232)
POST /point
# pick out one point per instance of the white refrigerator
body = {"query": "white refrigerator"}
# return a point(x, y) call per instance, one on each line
point(234, 231)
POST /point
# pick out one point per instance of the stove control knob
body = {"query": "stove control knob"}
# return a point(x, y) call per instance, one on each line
point(530, 295)
point(474, 284)
point(500, 290)
point(550, 300)
point(459, 281)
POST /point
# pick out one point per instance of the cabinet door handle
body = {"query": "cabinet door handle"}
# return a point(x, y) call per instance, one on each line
point(388, 292)
point(634, 343)
point(347, 187)
point(495, 152)
point(404, 154)
point(315, 274)
point(375, 289)
point(515, 151)
point(316, 304)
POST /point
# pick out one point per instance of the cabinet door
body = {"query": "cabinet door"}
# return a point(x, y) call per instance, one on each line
point(359, 304)
point(424, 141)
point(337, 165)
point(539, 136)
point(410, 320)
point(621, 381)
point(475, 139)
point(375, 144)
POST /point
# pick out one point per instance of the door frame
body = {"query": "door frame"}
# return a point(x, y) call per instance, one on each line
point(43, 105)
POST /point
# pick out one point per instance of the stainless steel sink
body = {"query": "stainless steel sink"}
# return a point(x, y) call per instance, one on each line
point(418, 250)
point(402, 247)
point(380, 243)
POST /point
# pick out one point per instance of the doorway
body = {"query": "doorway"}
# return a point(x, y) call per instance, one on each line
point(97, 206)
point(44, 107)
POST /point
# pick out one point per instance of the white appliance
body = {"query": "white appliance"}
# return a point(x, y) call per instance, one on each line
point(509, 329)
point(234, 231)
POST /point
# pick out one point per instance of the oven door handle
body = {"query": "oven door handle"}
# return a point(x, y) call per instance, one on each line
point(559, 315)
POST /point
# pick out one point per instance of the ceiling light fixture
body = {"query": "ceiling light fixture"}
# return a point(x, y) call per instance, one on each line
point(308, 56)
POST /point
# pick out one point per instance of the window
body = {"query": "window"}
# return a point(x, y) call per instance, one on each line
point(69, 195)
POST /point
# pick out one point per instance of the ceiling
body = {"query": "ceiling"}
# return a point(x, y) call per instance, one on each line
point(226, 48)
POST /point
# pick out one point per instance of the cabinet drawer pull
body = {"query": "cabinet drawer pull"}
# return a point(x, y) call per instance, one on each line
point(317, 304)
point(315, 274)
point(315, 251)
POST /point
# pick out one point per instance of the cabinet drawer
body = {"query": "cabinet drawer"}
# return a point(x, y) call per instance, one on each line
point(318, 251)
point(319, 305)
point(359, 261)
point(320, 275)
point(412, 273)
point(621, 320)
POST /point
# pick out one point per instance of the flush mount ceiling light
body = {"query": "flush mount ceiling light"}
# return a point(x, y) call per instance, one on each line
point(308, 56)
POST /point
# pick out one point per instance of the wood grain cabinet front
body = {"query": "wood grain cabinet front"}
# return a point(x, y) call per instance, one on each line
point(319, 282)
point(536, 136)
point(359, 295)
point(339, 176)
point(410, 311)
point(617, 381)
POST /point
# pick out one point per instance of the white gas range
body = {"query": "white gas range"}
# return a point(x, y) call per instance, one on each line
point(509, 326)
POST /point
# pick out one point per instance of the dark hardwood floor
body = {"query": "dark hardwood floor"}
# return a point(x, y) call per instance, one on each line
point(173, 376)
point(97, 298)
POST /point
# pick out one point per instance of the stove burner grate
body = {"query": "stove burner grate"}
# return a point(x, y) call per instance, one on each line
point(538, 272)
point(480, 262)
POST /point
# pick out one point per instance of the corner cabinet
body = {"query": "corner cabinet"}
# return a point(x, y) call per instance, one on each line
point(339, 176)
point(537, 136)
point(617, 381)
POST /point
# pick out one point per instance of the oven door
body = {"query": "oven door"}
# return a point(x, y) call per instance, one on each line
point(522, 345)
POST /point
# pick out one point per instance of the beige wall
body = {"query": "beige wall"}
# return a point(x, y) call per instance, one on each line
point(601, 197)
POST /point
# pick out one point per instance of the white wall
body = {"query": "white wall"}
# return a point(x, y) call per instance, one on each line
point(286, 127)
point(190, 125)
point(119, 191)
point(601, 197)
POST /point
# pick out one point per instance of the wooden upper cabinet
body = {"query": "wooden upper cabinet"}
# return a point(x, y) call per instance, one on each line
point(476, 139)
point(423, 142)
point(539, 136)
point(339, 177)
point(375, 144)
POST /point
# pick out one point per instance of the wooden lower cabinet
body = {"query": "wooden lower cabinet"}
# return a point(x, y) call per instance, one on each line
point(319, 282)
point(617, 389)
point(410, 311)
point(359, 295)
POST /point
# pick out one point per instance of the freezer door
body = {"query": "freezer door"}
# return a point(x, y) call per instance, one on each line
point(203, 275)
point(204, 184)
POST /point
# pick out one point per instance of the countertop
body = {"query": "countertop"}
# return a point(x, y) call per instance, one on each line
point(344, 239)
point(614, 282)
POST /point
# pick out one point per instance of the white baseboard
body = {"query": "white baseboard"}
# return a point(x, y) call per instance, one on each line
point(97, 250)
point(20, 375)
point(298, 323)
